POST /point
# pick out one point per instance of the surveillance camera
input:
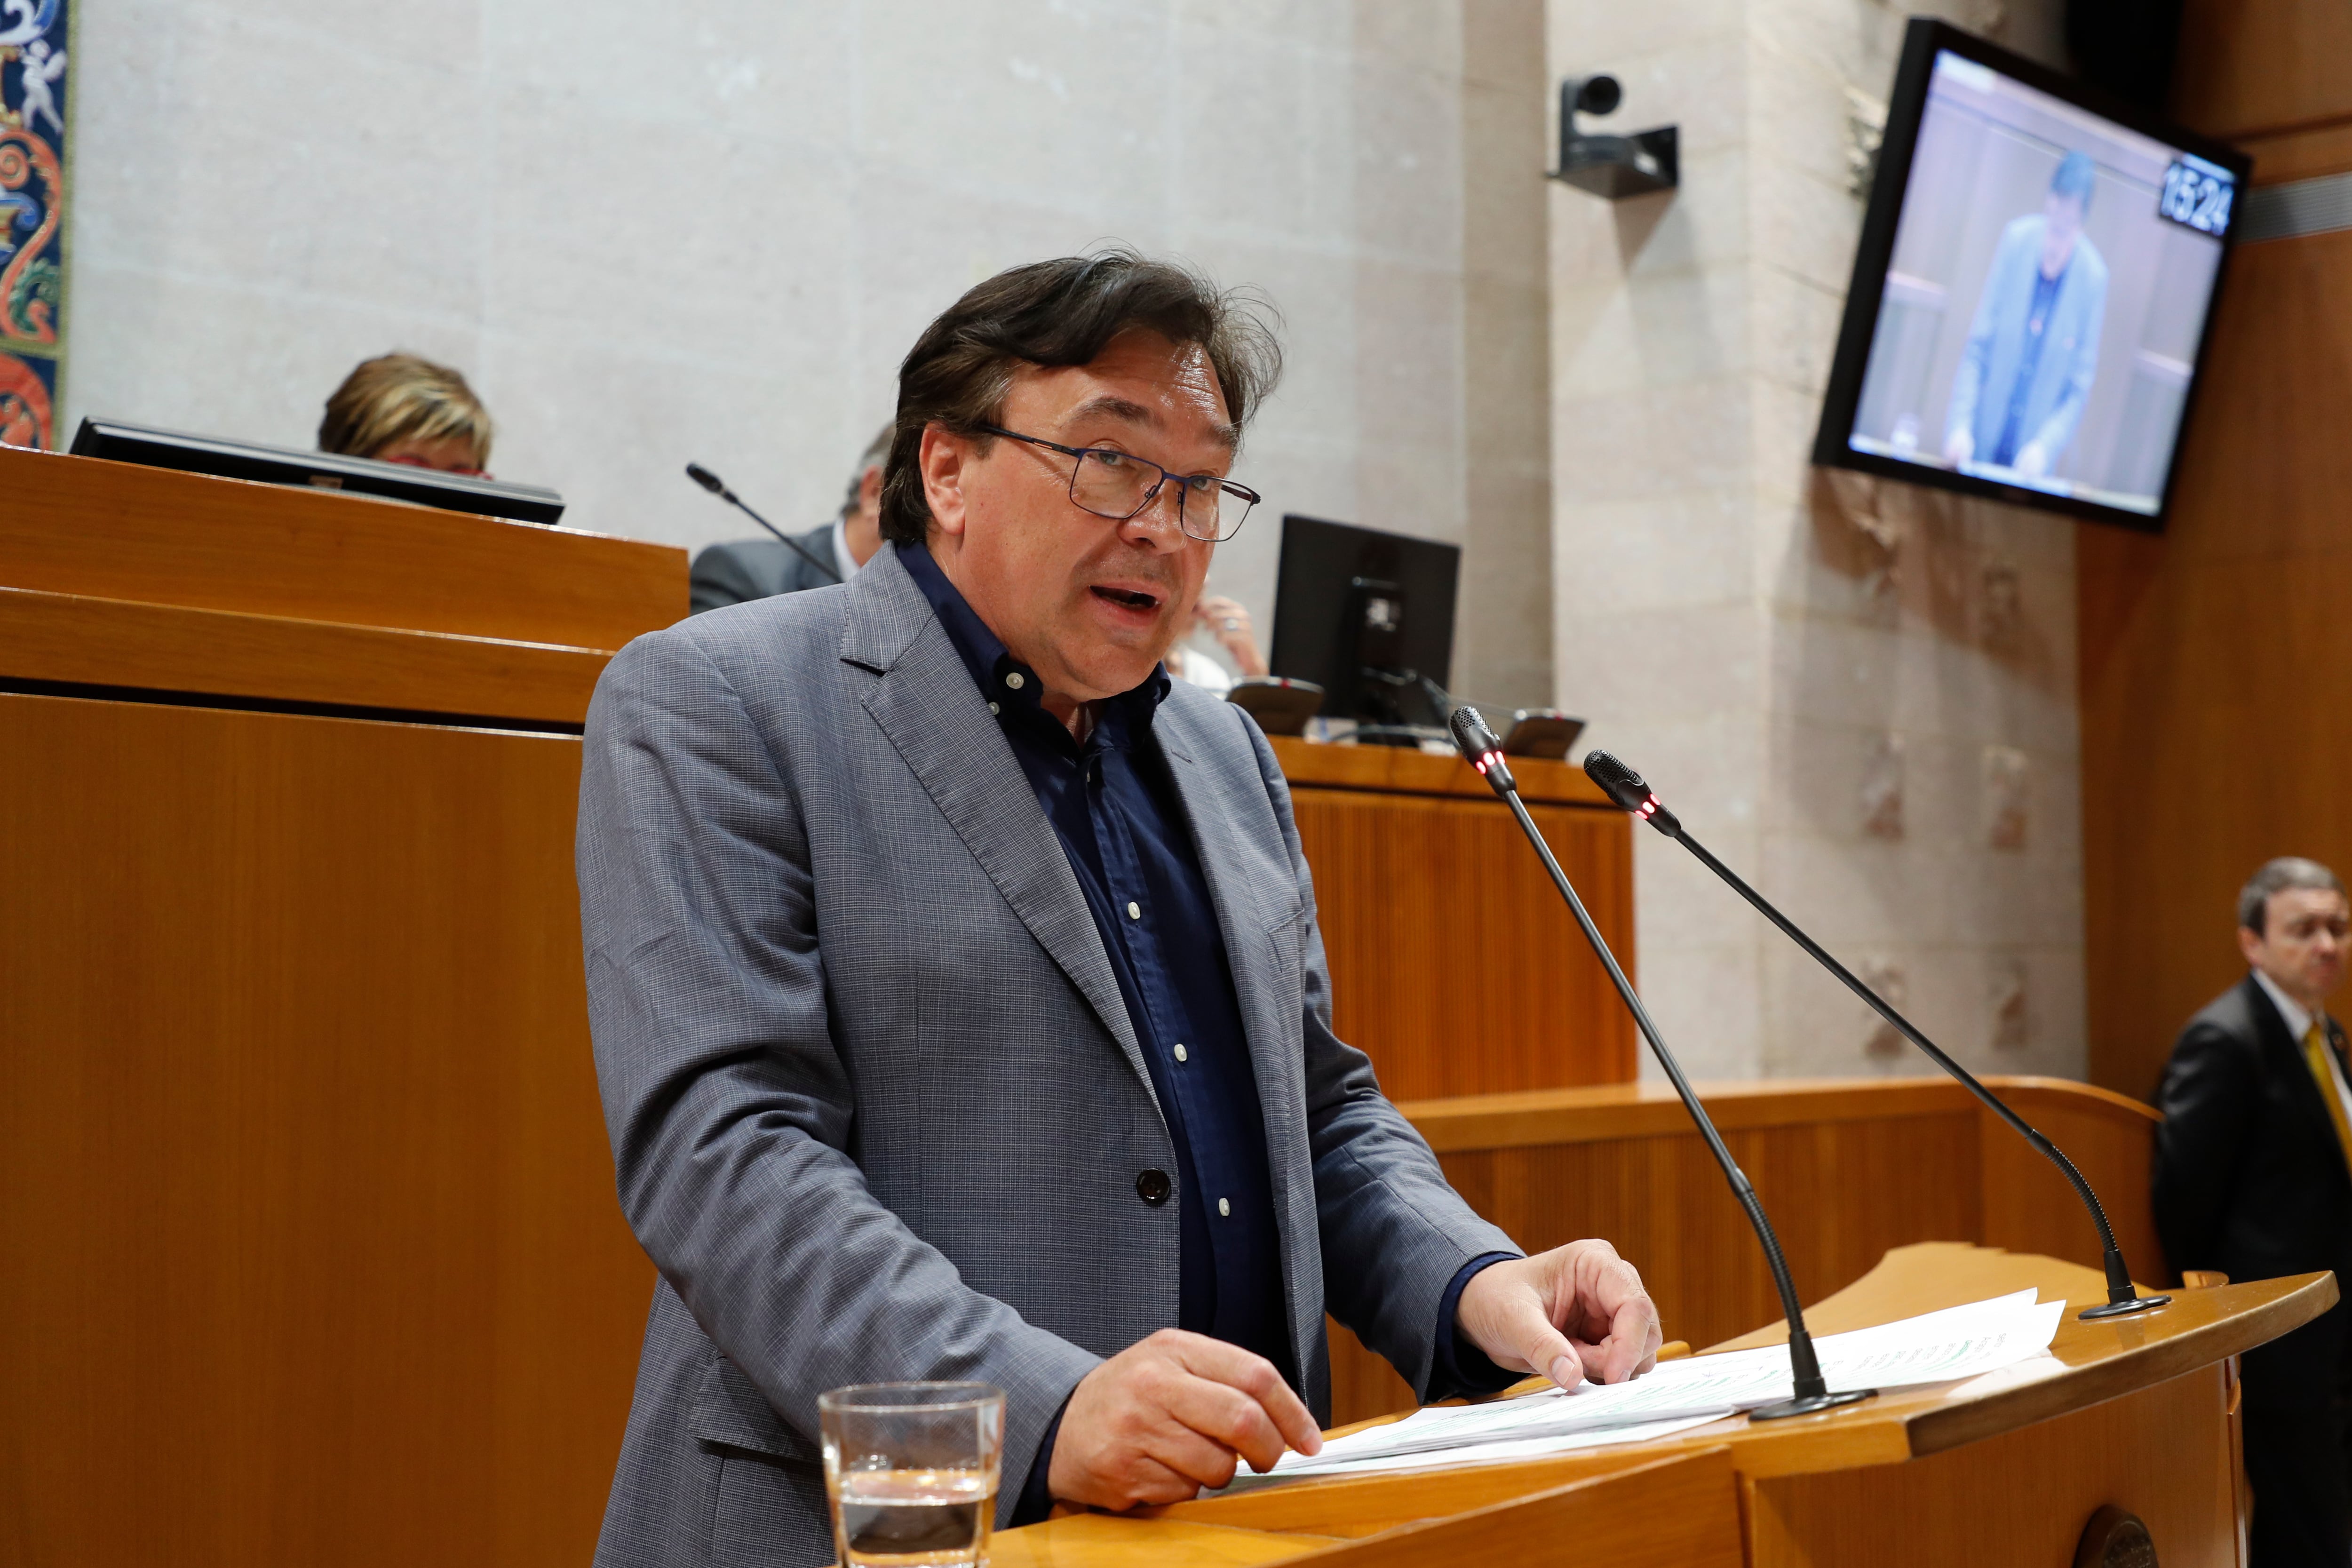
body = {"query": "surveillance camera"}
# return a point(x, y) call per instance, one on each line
point(1597, 95)
point(1611, 166)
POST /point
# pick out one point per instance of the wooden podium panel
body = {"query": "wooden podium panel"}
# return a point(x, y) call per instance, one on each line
point(317, 1257)
point(2025, 1496)
point(1454, 965)
point(305, 1162)
point(1683, 1510)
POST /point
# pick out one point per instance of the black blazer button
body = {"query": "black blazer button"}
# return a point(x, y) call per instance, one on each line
point(1153, 1188)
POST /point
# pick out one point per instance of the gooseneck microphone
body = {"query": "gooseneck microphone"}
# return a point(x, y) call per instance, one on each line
point(718, 487)
point(1632, 793)
point(1485, 751)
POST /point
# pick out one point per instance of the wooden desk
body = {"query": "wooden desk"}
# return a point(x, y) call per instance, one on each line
point(1454, 965)
point(2138, 1412)
point(314, 1255)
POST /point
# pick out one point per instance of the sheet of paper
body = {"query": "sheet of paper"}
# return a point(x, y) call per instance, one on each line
point(1323, 1468)
point(1935, 1347)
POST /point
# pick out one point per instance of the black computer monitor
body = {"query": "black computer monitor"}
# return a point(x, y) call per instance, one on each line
point(1350, 600)
point(2034, 291)
point(226, 459)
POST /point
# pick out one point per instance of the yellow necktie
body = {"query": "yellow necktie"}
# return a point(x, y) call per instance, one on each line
point(2314, 1052)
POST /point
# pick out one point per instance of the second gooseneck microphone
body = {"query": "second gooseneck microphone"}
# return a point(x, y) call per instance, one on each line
point(718, 487)
point(1485, 751)
point(1632, 793)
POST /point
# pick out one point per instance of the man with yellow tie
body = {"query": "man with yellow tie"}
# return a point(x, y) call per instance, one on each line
point(2254, 1177)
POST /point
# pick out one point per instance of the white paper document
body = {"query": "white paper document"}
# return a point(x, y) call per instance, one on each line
point(1324, 1466)
point(1935, 1347)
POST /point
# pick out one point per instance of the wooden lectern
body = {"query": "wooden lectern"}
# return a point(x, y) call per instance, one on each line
point(313, 1255)
point(2129, 1419)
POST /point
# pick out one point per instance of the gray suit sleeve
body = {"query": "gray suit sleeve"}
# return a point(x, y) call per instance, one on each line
point(729, 1106)
point(1394, 1233)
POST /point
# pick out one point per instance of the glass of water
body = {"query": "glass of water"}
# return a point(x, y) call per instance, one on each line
point(912, 1470)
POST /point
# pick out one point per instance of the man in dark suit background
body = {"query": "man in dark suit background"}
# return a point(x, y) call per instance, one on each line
point(745, 569)
point(2254, 1177)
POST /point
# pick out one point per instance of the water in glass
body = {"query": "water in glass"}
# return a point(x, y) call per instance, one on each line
point(914, 1519)
point(912, 1469)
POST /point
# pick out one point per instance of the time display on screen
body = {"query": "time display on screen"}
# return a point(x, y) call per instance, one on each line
point(2198, 195)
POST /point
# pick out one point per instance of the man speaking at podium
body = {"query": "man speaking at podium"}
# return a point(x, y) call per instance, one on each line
point(959, 1005)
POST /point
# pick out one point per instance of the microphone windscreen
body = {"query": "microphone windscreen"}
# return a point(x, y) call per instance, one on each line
point(1618, 782)
point(705, 478)
point(1470, 733)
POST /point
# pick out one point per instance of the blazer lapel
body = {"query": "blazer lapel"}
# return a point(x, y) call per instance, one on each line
point(926, 703)
point(2286, 1053)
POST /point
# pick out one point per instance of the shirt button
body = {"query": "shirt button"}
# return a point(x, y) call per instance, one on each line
point(1179, 1053)
point(1016, 680)
point(1134, 910)
point(1225, 1208)
point(992, 708)
point(1153, 1188)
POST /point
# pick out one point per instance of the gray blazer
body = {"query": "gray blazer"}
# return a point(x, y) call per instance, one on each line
point(742, 570)
point(874, 1102)
point(2069, 361)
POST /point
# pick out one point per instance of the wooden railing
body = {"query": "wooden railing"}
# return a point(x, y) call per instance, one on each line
point(1846, 1169)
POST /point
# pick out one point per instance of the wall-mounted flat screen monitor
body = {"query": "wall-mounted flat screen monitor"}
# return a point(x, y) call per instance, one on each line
point(2033, 289)
point(1365, 615)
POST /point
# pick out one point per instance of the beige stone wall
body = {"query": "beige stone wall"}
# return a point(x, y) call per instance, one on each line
point(710, 230)
point(1860, 694)
point(1503, 642)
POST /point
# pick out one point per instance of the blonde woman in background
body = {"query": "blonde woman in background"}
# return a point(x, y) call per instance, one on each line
point(400, 409)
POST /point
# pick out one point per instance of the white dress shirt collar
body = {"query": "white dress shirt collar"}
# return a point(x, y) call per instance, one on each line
point(2298, 1017)
point(845, 563)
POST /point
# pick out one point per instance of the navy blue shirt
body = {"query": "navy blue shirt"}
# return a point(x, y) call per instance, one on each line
point(1115, 808)
point(2029, 359)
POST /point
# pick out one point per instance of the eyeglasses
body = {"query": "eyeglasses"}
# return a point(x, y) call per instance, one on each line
point(1119, 484)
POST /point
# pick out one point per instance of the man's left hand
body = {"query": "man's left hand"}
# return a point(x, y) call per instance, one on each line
point(1574, 1312)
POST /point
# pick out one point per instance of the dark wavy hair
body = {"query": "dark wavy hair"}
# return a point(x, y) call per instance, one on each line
point(1053, 313)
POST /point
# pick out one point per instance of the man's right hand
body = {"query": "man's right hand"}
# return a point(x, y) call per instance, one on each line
point(1161, 1419)
point(1959, 445)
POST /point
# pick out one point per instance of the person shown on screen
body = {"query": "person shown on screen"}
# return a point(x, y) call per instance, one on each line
point(400, 409)
point(2033, 348)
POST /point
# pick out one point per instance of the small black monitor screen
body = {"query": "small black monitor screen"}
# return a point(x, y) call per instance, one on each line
point(1366, 614)
point(2044, 302)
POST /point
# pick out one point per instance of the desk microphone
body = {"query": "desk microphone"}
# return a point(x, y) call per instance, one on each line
point(1632, 793)
point(1812, 1392)
point(718, 487)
